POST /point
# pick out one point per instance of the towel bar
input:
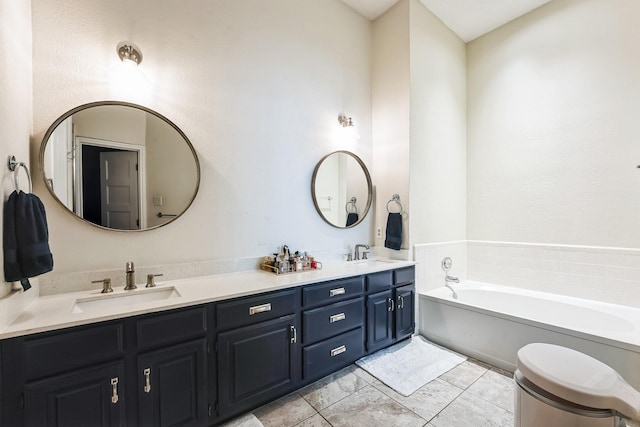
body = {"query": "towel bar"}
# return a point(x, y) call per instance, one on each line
point(351, 204)
point(396, 199)
point(14, 166)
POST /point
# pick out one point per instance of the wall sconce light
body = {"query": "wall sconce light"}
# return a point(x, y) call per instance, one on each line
point(129, 54)
point(345, 121)
point(347, 133)
point(128, 82)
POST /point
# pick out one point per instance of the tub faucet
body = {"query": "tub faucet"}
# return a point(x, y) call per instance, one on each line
point(454, 295)
point(357, 252)
point(446, 266)
point(449, 279)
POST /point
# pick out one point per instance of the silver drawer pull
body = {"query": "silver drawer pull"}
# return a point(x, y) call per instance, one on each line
point(259, 309)
point(337, 317)
point(114, 390)
point(147, 379)
point(338, 350)
point(338, 291)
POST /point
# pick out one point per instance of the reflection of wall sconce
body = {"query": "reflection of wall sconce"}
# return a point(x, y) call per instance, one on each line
point(129, 54)
point(345, 121)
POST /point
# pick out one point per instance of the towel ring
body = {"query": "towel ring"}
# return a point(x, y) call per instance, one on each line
point(351, 204)
point(15, 166)
point(396, 199)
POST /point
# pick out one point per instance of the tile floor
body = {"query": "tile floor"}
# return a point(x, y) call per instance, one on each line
point(472, 394)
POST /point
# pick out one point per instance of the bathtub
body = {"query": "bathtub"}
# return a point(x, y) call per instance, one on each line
point(491, 322)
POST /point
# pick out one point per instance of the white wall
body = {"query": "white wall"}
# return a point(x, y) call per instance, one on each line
point(554, 99)
point(256, 86)
point(391, 106)
point(419, 112)
point(438, 159)
point(15, 102)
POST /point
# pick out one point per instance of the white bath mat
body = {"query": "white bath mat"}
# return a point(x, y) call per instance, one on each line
point(407, 366)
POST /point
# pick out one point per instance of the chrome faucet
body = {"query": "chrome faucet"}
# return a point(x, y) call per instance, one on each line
point(130, 276)
point(357, 252)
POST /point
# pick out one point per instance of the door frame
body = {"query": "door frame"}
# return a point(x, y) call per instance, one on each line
point(80, 141)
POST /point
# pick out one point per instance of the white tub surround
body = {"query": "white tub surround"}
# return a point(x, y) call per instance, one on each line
point(492, 322)
point(591, 272)
point(57, 311)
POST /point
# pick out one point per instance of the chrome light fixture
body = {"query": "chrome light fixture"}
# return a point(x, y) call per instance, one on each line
point(128, 52)
point(345, 121)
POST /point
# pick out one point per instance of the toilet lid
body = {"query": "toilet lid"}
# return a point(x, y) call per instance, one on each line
point(578, 378)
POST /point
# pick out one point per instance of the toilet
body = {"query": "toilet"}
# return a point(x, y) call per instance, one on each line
point(557, 386)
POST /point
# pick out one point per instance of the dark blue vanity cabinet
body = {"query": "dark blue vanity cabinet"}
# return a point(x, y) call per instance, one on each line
point(258, 350)
point(390, 307)
point(201, 365)
point(172, 383)
point(72, 377)
point(149, 370)
point(333, 317)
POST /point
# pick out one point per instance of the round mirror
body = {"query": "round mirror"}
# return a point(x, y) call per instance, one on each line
point(341, 189)
point(119, 166)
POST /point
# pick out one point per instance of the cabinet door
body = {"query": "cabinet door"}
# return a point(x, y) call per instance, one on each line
point(379, 320)
point(257, 363)
point(88, 397)
point(172, 386)
point(405, 311)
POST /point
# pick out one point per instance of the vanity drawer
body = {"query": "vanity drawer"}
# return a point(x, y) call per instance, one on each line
point(329, 292)
point(74, 349)
point(324, 322)
point(255, 309)
point(404, 275)
point(171, 327)
point(379, 281)
point(327, 356)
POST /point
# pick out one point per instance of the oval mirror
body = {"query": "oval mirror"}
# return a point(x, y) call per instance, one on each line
point(341, 189)
point(119, 166)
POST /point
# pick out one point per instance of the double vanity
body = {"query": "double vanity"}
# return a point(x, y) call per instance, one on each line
point(190, 352)
point(199, 351)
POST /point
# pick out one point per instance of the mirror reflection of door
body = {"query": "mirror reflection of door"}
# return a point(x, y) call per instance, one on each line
point(110, 185)
point(119, 190)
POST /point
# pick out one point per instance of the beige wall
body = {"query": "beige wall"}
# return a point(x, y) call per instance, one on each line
point(553, 138)
point(15, 101)
point(256, 86)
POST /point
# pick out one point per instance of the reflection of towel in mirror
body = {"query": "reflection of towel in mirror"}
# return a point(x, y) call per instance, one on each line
point(352, 218)
point(25, 239)
point(394, 231)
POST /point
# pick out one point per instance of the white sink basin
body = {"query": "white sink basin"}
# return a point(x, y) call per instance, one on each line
point(105, 301)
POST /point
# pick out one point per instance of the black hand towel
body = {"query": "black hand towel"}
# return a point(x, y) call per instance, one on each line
point(394, 231)
point(352, 218)
point(26, 239)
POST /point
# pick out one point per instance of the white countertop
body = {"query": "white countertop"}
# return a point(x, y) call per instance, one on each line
point(52, 312)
